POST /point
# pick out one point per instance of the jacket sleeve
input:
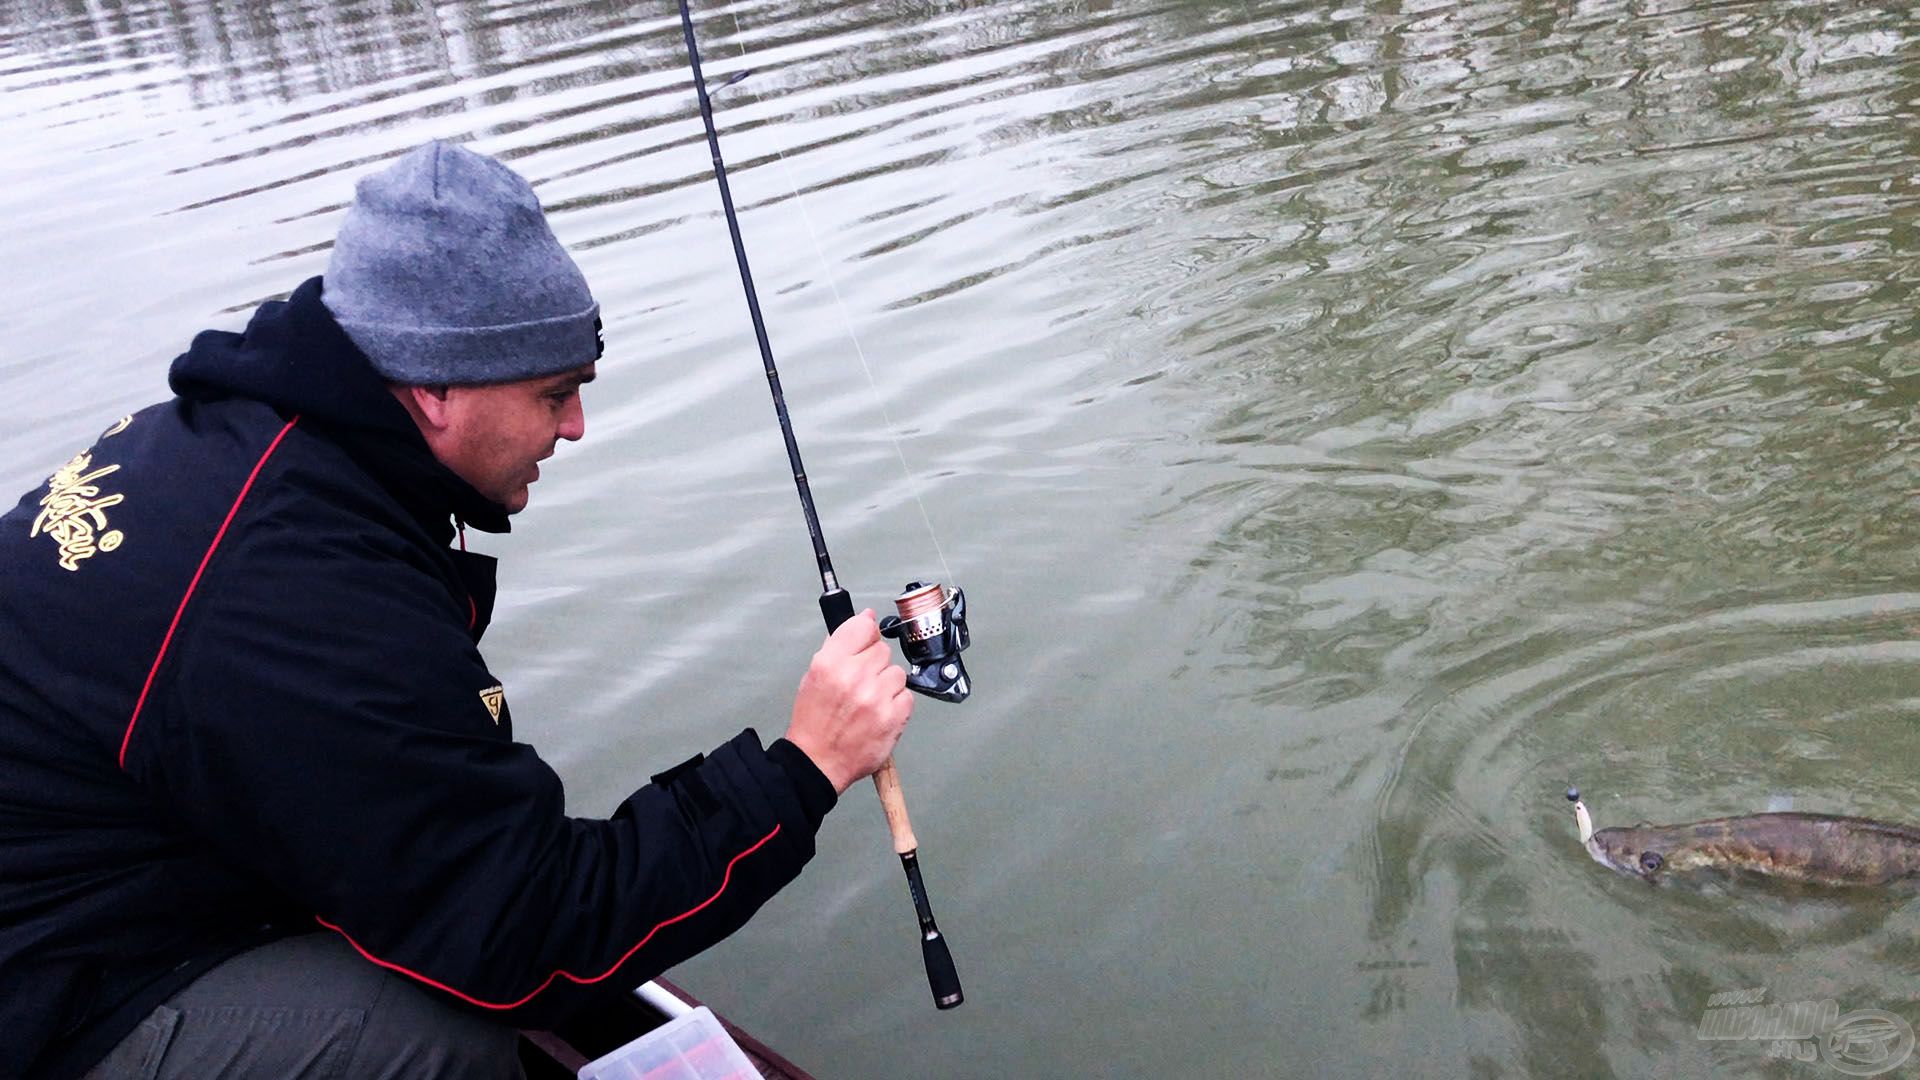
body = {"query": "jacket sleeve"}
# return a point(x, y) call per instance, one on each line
point(326, 731)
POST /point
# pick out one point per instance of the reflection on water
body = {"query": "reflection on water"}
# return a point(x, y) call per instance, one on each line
point(1352, 425)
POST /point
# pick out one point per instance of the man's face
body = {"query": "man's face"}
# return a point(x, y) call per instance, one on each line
point(494, 436)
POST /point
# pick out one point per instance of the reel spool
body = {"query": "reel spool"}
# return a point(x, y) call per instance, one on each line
point(932, 629)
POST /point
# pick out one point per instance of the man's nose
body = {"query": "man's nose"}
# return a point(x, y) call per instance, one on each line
point(573, 422)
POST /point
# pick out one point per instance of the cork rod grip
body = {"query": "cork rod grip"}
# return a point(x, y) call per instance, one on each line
point(893, 802)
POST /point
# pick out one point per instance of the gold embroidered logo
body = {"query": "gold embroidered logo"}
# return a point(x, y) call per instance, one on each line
point(74, 513)
point(493, 697)
point(119, 426)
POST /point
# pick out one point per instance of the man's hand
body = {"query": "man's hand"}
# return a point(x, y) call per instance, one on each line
point(852, 705)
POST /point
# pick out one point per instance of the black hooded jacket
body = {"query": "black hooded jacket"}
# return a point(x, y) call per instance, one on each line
point(240, 698)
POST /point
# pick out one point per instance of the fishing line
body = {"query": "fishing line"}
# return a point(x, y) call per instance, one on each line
point(839, 303)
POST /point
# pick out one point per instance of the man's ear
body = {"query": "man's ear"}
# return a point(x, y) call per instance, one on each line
point(430, 404)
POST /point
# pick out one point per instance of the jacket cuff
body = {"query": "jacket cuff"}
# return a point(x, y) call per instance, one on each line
point(815, 790)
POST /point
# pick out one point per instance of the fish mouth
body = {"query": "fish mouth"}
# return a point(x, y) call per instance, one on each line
point(1597, 850)
point(1611, 861)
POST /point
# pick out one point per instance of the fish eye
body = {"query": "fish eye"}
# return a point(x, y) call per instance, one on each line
point(1651, 861)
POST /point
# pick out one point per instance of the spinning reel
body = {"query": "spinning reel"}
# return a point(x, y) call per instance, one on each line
point(932, 628)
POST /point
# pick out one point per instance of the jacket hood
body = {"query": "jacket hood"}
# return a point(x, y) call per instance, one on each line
point(294, 357)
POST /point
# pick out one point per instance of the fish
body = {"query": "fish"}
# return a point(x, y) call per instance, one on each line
point(1817, 849)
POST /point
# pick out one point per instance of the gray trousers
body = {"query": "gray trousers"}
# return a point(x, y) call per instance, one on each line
point(310, 1008)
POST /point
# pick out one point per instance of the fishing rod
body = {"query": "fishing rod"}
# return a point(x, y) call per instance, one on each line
point(931, 619)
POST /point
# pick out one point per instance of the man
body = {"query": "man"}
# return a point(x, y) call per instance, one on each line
point(261, 813)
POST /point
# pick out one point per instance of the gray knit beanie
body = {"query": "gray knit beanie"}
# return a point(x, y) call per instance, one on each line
point(445, 271)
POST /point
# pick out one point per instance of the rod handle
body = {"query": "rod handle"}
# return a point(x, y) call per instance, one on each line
point(941, 975)
point(942, 978)
point(893, 802)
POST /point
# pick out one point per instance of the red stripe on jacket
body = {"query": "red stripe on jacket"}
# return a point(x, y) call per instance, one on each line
point(167, 641)
point(583, 980)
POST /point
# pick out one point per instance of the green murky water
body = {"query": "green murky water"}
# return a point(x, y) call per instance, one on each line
point(1351, 426)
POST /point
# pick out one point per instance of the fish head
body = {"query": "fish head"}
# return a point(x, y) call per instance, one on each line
point(1636, 852)
point(1630, 851)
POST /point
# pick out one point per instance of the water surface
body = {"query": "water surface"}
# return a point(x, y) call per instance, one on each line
point(1351, 425)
